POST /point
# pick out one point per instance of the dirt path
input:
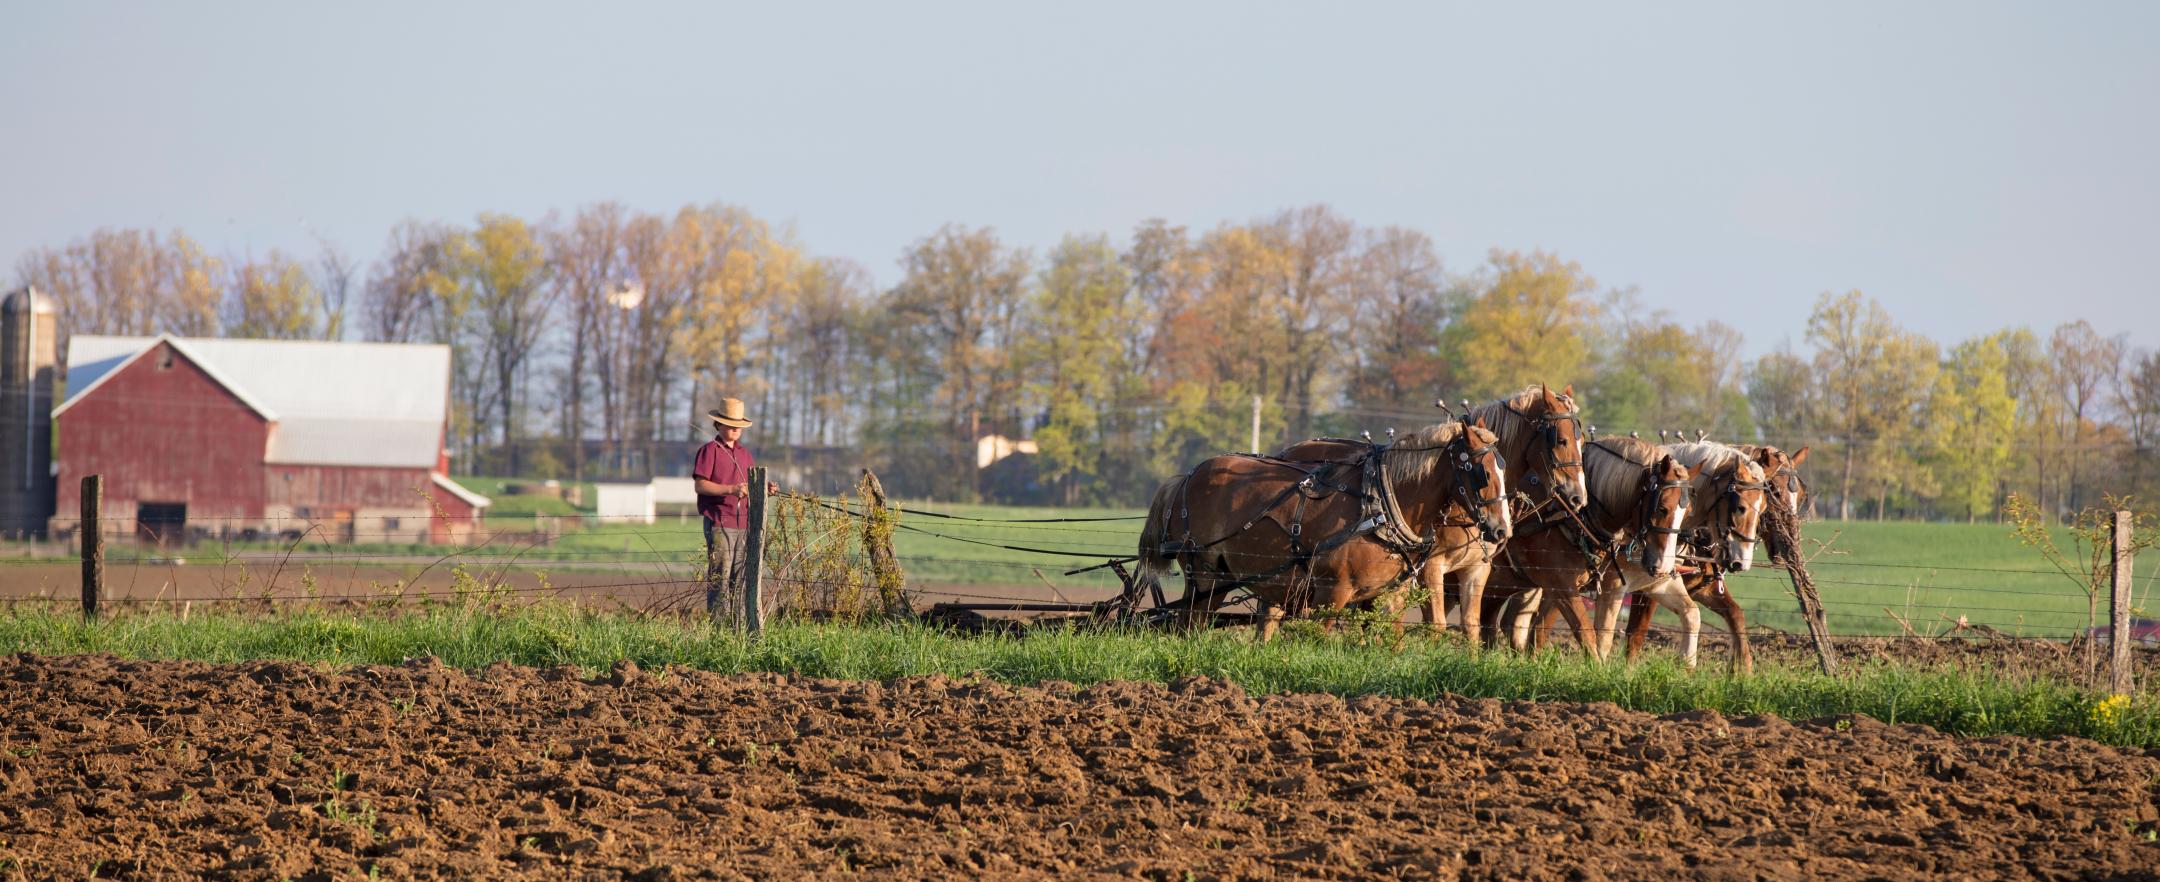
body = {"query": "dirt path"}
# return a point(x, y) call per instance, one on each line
point(273, 770)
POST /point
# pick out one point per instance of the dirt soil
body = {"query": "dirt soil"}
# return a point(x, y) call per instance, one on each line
point(1999, 656)
point(155, 770)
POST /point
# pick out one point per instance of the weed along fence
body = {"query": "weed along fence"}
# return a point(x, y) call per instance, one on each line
point(860, 555)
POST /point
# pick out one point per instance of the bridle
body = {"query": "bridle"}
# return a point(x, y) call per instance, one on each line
point(1471, 481)
point(1547, 426)
point(1472, 478)
point(1654, 488)
point(1730, 500)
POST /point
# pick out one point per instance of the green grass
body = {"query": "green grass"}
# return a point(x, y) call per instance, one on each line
point(1928, 574)
point(474, 635)
point(507, 507)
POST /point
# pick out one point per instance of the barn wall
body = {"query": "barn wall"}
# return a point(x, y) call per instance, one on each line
point(161, 430)
point(350, 503)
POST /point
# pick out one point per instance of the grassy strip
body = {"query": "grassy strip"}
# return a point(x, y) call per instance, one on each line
point(471, 636)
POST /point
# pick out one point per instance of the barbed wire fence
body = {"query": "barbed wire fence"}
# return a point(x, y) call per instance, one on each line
point(817, 559)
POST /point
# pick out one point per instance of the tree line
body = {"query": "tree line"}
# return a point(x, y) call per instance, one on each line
point(586, 345)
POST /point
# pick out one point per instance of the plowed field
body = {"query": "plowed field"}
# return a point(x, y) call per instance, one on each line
point(271, 770)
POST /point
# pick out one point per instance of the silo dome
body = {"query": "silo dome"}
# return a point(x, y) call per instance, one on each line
point(28, 300)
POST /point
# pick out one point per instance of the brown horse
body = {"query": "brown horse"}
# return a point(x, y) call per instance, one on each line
point(1329, 533)
point(1728, 495)
point(1540, 434)
point(1706, 586)
point(1639, 495)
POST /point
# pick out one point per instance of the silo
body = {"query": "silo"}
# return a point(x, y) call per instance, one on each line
point(28, 369)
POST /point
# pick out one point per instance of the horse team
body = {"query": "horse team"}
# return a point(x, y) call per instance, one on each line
point(1336, 523)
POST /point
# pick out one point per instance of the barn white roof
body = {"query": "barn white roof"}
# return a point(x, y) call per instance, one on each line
point(330, 403)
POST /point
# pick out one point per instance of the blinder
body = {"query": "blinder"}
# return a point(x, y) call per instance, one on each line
point(1652, 489)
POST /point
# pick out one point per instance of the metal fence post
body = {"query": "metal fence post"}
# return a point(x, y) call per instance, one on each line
point(754, 556)
point(2119, 680)
point(93, 545)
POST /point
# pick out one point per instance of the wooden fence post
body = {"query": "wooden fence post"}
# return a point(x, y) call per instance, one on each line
point(753, 561)
point(2119, 680)
point(877, 530)
point(93, 545)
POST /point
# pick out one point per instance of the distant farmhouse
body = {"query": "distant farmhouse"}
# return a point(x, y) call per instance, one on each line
point(241, 439)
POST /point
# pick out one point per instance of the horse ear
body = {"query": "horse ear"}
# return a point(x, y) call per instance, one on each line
point(1798, 457)
point(1479, 424)
point(1569, 391)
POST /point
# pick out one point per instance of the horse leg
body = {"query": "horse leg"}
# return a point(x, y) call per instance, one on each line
point(1271, 616)
point(1519, 612)
point(1550, 604)
point(1728, 606)
point(1607, 620)
point(1671, 593)
point(1691, 618)
point(1640, 611)
point(1571, 609)
point(1472, 610)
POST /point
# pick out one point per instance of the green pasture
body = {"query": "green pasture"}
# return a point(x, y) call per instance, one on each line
point(471, 634)
point(1927, 573)
point(505, 507)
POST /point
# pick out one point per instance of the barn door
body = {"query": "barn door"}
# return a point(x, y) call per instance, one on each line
point(161, 523)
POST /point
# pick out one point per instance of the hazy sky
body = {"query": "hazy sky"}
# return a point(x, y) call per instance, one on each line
point(1969, 165)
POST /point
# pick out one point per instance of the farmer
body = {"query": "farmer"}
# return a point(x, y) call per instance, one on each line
point(722, 475)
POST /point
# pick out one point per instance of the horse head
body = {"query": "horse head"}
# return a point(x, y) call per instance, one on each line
point(1559, 442)
point(1742, 493)
point(1665, 491)
point(1481, 481)
point(1782, 471)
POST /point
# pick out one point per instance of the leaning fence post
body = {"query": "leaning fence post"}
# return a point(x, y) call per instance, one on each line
point(93, 545)
point(877, 531)
point(754, 556)
point(2119, 680)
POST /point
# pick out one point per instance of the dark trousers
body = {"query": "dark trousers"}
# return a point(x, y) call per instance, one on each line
point(723, 573)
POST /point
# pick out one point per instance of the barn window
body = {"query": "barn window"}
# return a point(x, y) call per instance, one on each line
point(390, 523)
point(164, 359)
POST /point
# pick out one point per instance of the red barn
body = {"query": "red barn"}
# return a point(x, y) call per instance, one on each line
point(213, 438)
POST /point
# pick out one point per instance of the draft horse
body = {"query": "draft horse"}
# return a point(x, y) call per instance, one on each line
point(1706, 585)
point(1541, 433)
point(1325, 533)
point(1639, 497)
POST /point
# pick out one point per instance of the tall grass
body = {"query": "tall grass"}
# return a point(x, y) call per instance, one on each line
point(472, 636)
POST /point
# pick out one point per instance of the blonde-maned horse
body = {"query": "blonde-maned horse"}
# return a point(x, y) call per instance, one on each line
point(1297, 533)
point(1726, 498)
point(1706, 586)
point(1639, 495)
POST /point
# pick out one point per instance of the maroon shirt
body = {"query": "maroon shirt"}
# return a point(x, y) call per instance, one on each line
point(724, 465)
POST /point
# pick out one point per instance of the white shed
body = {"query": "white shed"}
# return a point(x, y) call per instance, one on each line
point(624, 503)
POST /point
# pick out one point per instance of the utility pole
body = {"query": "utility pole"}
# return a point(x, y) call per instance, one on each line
point(1256, 424)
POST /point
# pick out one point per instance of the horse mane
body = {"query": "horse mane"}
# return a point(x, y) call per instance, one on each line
point(1420, 452)
point(1503, 415)
point(1612, 487)
point(1705, 459)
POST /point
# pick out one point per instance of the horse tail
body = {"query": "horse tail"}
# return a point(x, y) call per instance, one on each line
point(1154, 555)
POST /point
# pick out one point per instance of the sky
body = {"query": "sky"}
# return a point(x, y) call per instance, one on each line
point(1971, 166)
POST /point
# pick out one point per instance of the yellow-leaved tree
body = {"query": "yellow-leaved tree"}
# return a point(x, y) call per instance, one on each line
point(1526, 319)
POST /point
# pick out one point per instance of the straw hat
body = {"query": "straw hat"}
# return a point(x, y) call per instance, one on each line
point(729, 413)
